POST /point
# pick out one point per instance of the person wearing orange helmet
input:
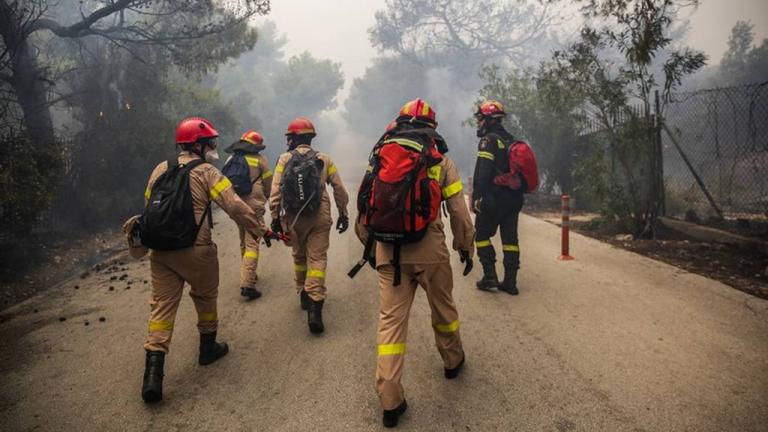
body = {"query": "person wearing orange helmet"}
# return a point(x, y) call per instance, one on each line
point(301, 207)
point(176, 227)
point(422, 260)
point(248, 162)
point(495, 206)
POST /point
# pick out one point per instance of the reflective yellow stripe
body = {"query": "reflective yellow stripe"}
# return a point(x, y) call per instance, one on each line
point(425, 110)
point(147, 193)
point(206, 316)
point(452, 189)
point(250, 254)
point(279, 168)
point(392, 349)
point(220, 187)
point(447, 328)
point(316, 274)
point(486, 155)
point(331, 170)
point(500, 144)
point(252, 161)
point(267, 174)
point(369, 169)
point(405, 143)
point(160, 325)
point(510, 248)
point(299, 268)
point(482, 243)
point(434, 172)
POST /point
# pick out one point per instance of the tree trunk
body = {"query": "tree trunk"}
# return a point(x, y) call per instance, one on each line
point(26, 77)
point(31, 93)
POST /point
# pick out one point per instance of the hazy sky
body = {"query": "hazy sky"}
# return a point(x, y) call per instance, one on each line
point(337, 29)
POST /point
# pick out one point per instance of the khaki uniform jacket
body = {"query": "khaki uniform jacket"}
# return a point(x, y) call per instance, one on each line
point(258, 165)
point(207, 183)
point(432, 249)
point(329, 175)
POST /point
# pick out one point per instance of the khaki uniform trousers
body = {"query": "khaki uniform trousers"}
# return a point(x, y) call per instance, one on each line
point(310, 240)
point(198, 266)
point(249, 251)
point(394, 310)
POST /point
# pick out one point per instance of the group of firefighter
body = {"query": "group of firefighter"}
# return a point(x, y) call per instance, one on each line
point(409, 180)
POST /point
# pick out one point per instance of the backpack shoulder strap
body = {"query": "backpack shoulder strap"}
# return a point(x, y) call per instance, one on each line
point(172, 163)
point(189, 166)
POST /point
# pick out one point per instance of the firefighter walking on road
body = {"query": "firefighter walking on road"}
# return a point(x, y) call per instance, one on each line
point(249, 172)
point(301, 207)
point(400, 222)
point(176, 228)
point(495, 206)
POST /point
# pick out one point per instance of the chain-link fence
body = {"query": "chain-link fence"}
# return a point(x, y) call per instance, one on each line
point(720, 136)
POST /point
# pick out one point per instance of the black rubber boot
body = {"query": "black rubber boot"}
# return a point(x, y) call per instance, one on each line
point(304, 296)
point(453, 373)
point(250, 293)
point(315, 316)
point(509, 285)
point(489, 280)
point(391, 417)
point(210, 350)
point(152, 390)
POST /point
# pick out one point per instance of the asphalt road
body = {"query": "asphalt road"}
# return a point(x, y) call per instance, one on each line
point(612, 341)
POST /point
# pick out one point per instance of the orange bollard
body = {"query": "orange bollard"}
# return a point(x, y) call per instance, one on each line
point(564, 244)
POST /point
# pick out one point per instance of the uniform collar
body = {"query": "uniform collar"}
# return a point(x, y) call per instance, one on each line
point(188, 155)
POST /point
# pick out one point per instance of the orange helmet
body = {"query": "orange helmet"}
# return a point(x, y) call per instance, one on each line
point(192, 129)
point(490, 108)
point(417, 110)
point(250, 142)
point(253, 137)
point(300, 126)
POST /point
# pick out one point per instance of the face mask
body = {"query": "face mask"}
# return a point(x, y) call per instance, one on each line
point(212, 155)
point(480, 128)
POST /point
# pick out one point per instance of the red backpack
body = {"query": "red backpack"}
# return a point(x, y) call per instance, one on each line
point(522, 161)
point(400, 194)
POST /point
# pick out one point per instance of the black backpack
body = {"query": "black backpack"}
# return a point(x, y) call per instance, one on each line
point(168, 221)
point(238, 172)
point(301, 189)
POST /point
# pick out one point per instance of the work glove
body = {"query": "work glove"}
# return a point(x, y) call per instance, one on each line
point(276, 227)
point(465, 258)
point(476, 205)
point(268, 236)
point(342, 224)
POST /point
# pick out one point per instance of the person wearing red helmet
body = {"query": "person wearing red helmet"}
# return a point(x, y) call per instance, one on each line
point(247, 150)
point(179, 194)
point(404, 266)
point(301, 207)
point(495, 206)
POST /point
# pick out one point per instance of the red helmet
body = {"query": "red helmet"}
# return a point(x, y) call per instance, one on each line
point(490, 108)
point(417, 110)
point(192, 129)
point(253, 137)
point(300, 126)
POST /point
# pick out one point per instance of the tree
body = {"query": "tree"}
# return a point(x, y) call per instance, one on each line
point(268, 90)
point(175, 25)
point(744, 63)
point(640, 33)
point(590, 107)
point(464, 34)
